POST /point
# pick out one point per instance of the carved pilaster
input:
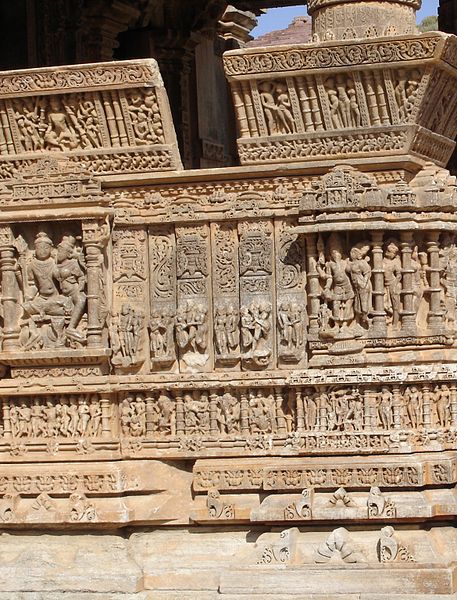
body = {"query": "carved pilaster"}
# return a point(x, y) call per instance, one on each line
point(244, 412)
point(149, 414)
point(396, 407)
point(213, 414)
point(427, 406)
point(379, 314)
point(453, 405)
point(280, 419)
point(106, 414)
point(408, 314)
point(7, 432)
point(300, 410)
point(180, 423)
point(435, 313)
point(9, 290)
point(313, 284)
point(95, 237)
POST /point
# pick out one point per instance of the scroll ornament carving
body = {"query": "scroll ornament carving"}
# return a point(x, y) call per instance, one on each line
point(217, 508)
point(390, 550)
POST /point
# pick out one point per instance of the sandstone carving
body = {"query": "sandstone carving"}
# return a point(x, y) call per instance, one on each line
point(250, 371)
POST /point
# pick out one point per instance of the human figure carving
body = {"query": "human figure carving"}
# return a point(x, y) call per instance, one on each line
point(255, 330)
point(59, 134)
point(338, 290)
point(360, 275)
point(126, 331)
point(392, 281)
point(54, 298)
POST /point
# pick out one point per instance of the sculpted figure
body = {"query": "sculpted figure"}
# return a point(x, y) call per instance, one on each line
point(59, 135)
point(226, 331)
point(228, 414)
point(360, 275)
point(291, 326)
point(385, 408)
point(448, 267)
point(420, 283)
point(54, 300)
point(338, 291)
point(126, 331)
point(161, 333)
point(269, 106)
point(197, 413)
point(285, 117)
point(72, 282)
point(392, 281)
point(255, 330)
point(442, 400)
point(414, 406)
point(192, 328)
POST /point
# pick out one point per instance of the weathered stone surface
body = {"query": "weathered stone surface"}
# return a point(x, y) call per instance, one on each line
point(238, 382)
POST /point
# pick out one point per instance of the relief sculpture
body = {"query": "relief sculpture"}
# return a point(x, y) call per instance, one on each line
point(52, 281)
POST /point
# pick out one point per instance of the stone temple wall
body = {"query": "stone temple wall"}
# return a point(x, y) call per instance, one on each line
point(239, 382)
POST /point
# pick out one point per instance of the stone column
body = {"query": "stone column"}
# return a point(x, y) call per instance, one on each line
point(453, 405)
point(280, 419)
point(214, 430)
point(379, 313)
point(427, 406)
point(368, 409)
point(313, 284)
point(105, 402)
point(244, 412)
point(7, 430)
point(435, 313)
point(150, 414)
point(408, 314)
point(396, 407)
point(300, 409)
point(180, 423)
point(95, 237)
point(322, 414)
point(9, 297)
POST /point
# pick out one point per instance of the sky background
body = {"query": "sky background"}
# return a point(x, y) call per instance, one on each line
point(280, 18)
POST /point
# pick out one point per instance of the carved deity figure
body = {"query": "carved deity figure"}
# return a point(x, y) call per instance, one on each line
point(163, 415)
point(277, 107)
point(337, 287)
point(262, 414)
point(191, 330)
point(414, 406)
point(59, 134)
point(442, 404)
point(255, 332)
point(133, 416)
point(291, 327)
point(161, 328)
point(385, 408)
point(226, 330)
point(228, 414)
point(126, 331)
point(360, 275)
point(392, 281)
point(448, 268)
point(196, 413)
point(420, 283)
point(53, 289)
point(145, 115)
